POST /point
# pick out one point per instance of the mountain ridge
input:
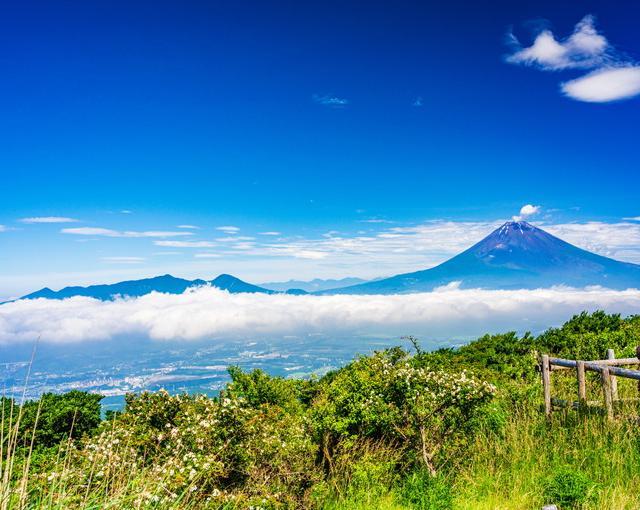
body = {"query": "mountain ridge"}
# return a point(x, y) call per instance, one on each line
point(136, 288)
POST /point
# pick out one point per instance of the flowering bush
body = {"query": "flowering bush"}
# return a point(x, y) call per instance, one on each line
point(391, 396)
point(194, 448)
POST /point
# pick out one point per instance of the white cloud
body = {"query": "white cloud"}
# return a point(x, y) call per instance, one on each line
point(330, 100)
point(3, 228)
point(614, 76)
point(584, 49)
point(124, 260)
point(185, 244)
point(527, 211)
point(49, 219)
point(126, 211)
point(229, 229)
point(632, 218)
point(189, 227)
point(207, 255)
point(208, 313)
point(270, 233)
point(605, 85)
point(106, 232)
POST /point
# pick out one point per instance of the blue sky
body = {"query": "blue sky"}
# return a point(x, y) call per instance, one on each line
point(434, 120)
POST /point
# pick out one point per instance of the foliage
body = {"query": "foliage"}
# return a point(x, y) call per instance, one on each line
point(54, 417)
point(453, 428)
point(392, 396)
point(588, 336)
point(568, 487)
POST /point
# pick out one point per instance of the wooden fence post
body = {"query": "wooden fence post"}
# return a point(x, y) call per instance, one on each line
point(606, 389)
point(546, 384)
point(614, 381)
point(582, 386)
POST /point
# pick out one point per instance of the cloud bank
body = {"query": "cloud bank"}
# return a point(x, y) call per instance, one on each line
point(614, 77)
point(210, 314)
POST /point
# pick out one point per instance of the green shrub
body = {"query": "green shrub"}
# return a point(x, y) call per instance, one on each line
point(568, 488)
point(54, 417)
point(422, 491)
point(393, 397)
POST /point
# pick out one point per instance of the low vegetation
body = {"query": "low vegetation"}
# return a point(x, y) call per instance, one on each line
point(400, 429)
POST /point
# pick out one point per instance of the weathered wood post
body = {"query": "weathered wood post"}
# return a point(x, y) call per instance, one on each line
point(638, 356)
point(606, 389)
point(614, 380)
point(582, 385)
point(546, 384)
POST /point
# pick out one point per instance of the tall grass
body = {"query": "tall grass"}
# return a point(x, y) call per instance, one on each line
point(527, 463)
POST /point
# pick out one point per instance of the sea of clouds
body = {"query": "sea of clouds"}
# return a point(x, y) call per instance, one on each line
point(209, 313)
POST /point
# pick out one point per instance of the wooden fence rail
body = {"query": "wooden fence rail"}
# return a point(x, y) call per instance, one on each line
point(609, 369)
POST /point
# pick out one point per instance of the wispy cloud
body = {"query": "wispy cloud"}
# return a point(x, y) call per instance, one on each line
point(124, 260)
point(49, 219)
point(585, 48)
point(189, 227)
point(375, 220)
point(445, 314)
point(185, 244)
point(418, 102)
point(270, 233)
point(229, 229)
point(614, 76)
point(207, 255)
point(231, 239)
point(107, 232)
point(3, 228)
point(393, 250)
point(617, 240)
point(329, 100)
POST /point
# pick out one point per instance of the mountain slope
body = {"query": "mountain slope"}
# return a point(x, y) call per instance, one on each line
point(236, 285)
point(515, 256)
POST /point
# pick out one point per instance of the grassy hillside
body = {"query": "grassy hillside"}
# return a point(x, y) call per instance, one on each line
point(400, 429)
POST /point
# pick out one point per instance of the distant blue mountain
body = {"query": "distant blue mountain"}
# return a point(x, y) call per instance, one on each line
point(515, 256)
point(314, 285)
point(134, 288)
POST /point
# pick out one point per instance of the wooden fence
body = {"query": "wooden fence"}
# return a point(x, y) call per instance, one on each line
point(609, 369)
